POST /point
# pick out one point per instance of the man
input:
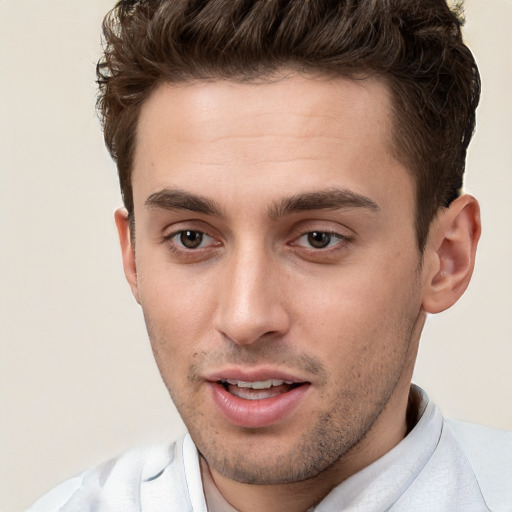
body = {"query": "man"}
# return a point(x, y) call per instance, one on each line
point(291, 173)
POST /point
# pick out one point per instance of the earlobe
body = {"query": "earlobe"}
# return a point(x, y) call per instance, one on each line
point(127, 250)
point(450, 253)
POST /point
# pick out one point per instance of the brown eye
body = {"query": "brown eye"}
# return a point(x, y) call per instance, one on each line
point(319, 239)
point(191, 239)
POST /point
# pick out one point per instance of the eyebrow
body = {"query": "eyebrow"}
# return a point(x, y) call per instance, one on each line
point(329, 199)
point(177, 199)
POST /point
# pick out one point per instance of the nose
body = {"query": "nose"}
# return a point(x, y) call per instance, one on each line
point(251, 301)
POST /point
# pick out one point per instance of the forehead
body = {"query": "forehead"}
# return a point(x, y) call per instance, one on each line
point(292, 104)
point(287, 134)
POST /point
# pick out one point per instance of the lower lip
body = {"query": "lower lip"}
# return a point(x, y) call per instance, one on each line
point(257, 413)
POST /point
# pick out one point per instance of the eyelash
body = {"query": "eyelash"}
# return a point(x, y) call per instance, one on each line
point(333, 235)
point(177, 247)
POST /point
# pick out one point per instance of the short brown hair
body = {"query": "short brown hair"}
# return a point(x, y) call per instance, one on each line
point(414, 46)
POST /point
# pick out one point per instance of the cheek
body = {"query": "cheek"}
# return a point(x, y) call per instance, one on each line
point(360, 316)
point(174, 300)
point(349, 296)
point(177, 312)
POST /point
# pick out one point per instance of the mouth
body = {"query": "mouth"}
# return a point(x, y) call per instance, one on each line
point(257, 401)
point(258, 390)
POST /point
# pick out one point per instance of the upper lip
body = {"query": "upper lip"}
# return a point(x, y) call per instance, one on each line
point(253, 375)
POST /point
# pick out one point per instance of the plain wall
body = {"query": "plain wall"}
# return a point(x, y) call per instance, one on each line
point(78, 382)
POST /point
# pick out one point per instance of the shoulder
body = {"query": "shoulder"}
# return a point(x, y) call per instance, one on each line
point(113, 484)
point(489, 452)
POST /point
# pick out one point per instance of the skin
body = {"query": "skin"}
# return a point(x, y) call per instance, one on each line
point(255, 293)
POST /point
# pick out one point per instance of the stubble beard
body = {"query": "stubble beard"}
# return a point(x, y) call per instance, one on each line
point(323, 447)
point(316, 451)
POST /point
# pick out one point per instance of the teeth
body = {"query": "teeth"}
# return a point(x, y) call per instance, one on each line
point(253, 394)
point(259, 384)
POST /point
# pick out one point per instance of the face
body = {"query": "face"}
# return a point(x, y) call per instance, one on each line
point(276, 263)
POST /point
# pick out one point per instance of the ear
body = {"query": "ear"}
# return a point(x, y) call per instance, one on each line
point(449, 256)
point(127, 250)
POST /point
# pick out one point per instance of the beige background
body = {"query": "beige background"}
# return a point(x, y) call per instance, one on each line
point(78, 383)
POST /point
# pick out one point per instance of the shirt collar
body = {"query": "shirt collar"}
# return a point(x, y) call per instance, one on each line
point(378, 486)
